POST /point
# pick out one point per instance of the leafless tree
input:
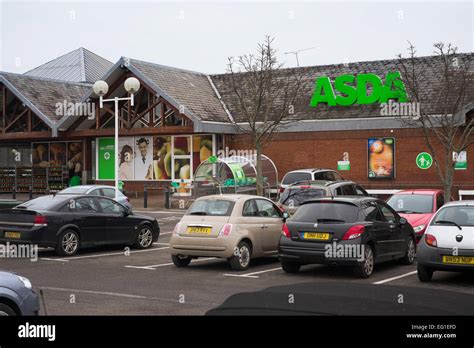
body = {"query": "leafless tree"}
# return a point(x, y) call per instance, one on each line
point(264, 97)
point(445, 93)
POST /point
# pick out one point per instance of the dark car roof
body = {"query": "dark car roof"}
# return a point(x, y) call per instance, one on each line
point(343, 199)
point(51, 201)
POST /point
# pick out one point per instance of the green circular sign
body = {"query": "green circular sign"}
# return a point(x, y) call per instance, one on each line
point(212, 159)
point(424, 160)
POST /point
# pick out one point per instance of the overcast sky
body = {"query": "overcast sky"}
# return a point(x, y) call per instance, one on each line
point(200, 36)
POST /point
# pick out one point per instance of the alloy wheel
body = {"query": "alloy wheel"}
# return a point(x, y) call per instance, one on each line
point(70, 243)
point(244, 256)
point(145, 237)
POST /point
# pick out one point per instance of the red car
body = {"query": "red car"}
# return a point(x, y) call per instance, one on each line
point(417, 206)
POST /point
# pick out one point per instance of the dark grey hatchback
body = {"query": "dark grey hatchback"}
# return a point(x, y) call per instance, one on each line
point(356, 231)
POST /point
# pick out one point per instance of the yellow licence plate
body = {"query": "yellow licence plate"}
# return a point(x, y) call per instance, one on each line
point(200, 230)
point(460, 260)
point(16, 235)
point(316, 235)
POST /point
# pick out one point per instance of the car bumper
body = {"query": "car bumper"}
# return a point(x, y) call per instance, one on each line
point(222, 247)
point(433, 258)
point(30, 305)
point(320, 253)
point(36, 236)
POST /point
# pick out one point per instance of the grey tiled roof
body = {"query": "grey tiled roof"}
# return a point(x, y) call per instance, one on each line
point(44, 94)
point(80, 65)
point(191, 89)
point(429, 88)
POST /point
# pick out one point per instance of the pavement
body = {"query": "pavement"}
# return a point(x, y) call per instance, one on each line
point(112, 281)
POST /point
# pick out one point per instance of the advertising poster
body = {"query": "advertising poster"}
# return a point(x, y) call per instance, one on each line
point(57, 154)
point(75, 158)
point(143, 162)
point(162, 158)
point(202, 148)
point(40, 154)
point(105, 158)
point(126, 158)
point(381, 158)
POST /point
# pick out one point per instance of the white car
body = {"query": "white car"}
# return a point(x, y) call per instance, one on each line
point(448, 243)
point(300, 175)
point(97, 190)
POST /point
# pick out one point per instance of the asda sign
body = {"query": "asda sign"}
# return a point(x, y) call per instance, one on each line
point(359, 90)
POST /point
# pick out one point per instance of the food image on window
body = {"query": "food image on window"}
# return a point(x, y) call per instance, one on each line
point(202, 148)
point(162, 157)
point(381, 158)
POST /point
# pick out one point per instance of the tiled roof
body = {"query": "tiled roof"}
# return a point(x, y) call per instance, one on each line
point(80, 65)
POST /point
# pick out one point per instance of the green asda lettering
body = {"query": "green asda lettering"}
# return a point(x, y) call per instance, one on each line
point(354, 90)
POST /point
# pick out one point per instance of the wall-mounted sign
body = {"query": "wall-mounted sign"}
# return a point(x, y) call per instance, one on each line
point(381, 158)
point(424, 160)
point(355, 90)
point(343, 165)
point(105, 158)
point(460, 160)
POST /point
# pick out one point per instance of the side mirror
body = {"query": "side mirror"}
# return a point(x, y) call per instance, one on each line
point(403, 221)
point(285, 216)
point(127, 211)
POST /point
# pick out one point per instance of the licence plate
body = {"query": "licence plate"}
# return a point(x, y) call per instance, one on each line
point(316, 235)
point(460, 260)
point(199, 230)
point(16, 235)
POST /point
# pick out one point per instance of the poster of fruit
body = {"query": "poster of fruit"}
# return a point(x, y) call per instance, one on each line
point(57, 154)
point(202, 148)
point(162, 155)
point(381, 158)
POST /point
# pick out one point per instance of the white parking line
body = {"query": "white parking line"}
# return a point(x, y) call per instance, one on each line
point(102, 255)
point(395, 278)
point(252, 275)
point(154, 267)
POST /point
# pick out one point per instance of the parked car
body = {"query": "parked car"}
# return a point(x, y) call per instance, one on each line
point(70, 222)
point(448, 243)
point(309, 174)
point(17, 296)
point(297, 193)
point(417, 206)
point(354, 231)
point(234, 227)
point(8, 203)
point(97, 190)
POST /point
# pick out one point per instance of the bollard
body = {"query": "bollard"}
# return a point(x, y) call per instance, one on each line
point(30, 193)
point(145, 196)
point(167, 198)
point(14, 192)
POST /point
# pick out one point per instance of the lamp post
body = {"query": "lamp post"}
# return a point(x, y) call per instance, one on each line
point(100, 88)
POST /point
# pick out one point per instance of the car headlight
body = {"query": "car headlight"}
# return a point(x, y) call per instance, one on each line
point(419, 228)
point(26, 282)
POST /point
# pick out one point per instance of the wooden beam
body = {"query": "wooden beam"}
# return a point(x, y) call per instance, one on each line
point(16, 119)
point(4, 108)
point(137, 117)
point(29, 122)
point(27, 135)
point(97, 115)
point(109, 132)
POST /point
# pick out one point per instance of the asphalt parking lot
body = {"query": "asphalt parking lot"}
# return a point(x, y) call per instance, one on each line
point(109, 281)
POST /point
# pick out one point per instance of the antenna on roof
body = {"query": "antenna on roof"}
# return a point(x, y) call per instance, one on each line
point(298, 51)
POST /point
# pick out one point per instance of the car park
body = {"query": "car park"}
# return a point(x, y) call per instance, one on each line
point(353, 231)
point(417, 206)
point(296, 194)
point(233, 227)
point(17, 296)
point(70, 222)
point(448, 243)
point(97, 190)
point(299, 175)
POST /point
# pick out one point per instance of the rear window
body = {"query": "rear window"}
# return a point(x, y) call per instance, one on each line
point(291, 178)
point(211, 207)
point(40, 203)
point(461, 215)
point(327, 212)
point(74, 190)
point(296, 196)
point(411, 204)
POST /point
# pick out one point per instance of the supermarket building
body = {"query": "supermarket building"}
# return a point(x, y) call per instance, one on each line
point(182, 117)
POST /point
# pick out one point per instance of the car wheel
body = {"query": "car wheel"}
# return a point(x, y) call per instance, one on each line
point(144, 237)
point(365, 268)
point(68, 243)
point(241, 261)
point(425, 274)
point(290, 267)
point(410, 253)
point(180, 260)
point(6, 311)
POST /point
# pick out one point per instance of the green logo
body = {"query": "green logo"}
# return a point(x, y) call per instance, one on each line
point(175, 184)
point(354, 90)
point(424, 160)
point(212, 159)
point(343, 165)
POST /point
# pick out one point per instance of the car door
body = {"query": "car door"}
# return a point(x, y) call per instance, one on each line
point(380, 229)
point(88, 217)
point(253, 223)
point(397, 240)
point(272, 222)
point(120, 228)
point(439, 201)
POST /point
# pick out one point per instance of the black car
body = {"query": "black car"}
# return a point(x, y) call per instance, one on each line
point(346, 230)
point(70, 222)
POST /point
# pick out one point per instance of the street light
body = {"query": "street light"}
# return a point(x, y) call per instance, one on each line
point(100, 88)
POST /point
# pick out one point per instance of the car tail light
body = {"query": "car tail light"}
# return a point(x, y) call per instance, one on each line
point(128, 199)
point(40, 220)
point(225, 230)
point(282, 189)
point(176, 228)
point(285, 231)
point(354, 232)
point(431, 240)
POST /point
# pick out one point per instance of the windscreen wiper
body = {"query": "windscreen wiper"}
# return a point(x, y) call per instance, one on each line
point(448, 222)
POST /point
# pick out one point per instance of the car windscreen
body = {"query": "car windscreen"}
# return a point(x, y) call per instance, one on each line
point(327, 212)
point(411, 204)
point(296, 196)
point(74, 190)
point(291, 178)
point(40, 203)
point(455, 215)
point(211, 207)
